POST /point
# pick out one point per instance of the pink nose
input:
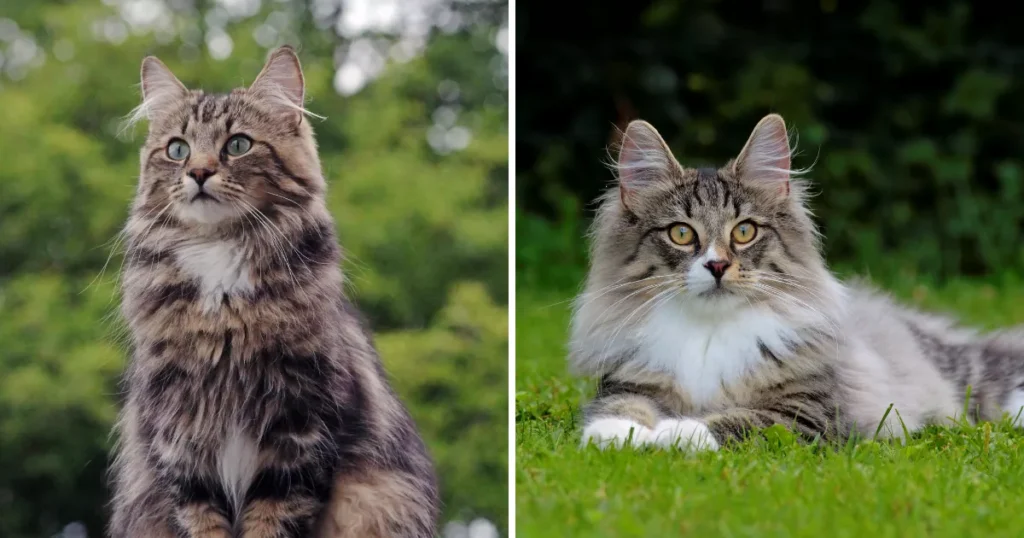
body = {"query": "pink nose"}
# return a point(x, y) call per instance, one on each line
point(200, 175)
point(717, 268)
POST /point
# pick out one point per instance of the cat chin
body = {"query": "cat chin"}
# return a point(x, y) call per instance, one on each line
point(718, 302)
point(206, 212)
point(717, 294)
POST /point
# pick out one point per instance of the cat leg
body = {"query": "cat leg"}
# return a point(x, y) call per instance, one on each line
point(392, 493)
point(807, 414)
point(620, 419)
point(380, 503)
point(686, 433)
point(293, 483)
point(147, 516)
point(140, 508)
point(199, 510)
point(1014, 406)
point(202, 520)
point(284, 502)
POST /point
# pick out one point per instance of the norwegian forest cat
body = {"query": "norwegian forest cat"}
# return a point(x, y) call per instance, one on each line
point(256, 404)
point(709, 313)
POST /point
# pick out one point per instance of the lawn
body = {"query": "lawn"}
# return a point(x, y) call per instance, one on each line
point(964, 481)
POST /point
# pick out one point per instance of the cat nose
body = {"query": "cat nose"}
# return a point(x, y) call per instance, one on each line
point(717, 268)
point(200, 175)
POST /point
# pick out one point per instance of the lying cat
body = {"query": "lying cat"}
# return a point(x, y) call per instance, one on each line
point(709, 312)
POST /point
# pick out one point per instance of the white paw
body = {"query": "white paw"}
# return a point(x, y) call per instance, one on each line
point(1015, 407)
point(615, 432)
point(684, 433)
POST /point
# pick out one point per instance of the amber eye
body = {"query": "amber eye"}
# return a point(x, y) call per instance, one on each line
point(681, 234)
point(744, 232)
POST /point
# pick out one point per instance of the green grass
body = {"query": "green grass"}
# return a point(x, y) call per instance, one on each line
point(955, 482)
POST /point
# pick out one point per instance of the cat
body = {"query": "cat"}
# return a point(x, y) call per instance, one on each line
point(255, 402)
point(709, 313)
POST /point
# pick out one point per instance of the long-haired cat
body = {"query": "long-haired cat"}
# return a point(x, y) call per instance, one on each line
point(709, 313)
point(256, 404)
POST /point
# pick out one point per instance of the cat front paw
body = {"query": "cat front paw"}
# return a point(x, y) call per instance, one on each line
point(683, 433)
point(616, 433)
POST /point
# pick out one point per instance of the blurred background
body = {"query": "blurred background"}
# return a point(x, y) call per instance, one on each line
point(910, 113)
point(414, 148)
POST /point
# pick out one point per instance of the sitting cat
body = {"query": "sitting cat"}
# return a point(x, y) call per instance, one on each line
point(256, 404)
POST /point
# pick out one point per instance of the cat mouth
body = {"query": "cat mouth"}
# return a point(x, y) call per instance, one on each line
point(203, 195)
point(717, 291)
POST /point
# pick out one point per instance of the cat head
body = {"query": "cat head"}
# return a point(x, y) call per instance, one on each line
point(216, 159)
point(710, 240)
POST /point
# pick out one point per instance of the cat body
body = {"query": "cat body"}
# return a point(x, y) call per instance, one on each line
point(256, 404)
point(709, 312)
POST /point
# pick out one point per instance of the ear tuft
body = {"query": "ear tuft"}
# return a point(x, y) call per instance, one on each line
point(159, 87)
point(644, 158)
point(281, 80)
point(766, 158)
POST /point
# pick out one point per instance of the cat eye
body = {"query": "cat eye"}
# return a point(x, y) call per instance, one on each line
point(681, 234)
point(238, 145)
point(744, 232)
point(177, 150)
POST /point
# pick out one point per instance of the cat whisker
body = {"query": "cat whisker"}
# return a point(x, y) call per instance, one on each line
point(585, 294)
point(302, 209)
point(650, 301)
point(776, 278)
point(627, 297)
point(118, 242)
point(118, 245)
point(596, 294)
point(245, 215)
point(816, 300)
point(279, 249)
point(285, 198)
point(779, 294)
point(829, 322)
point(305, 260)
point(593, 324)
point(145, 234)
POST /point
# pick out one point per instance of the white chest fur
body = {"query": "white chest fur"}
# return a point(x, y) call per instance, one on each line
point(704, 348)
point(237, 464)
point(220, 268)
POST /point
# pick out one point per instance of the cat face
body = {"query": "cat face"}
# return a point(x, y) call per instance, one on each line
point(213, 159)
point(722, 236)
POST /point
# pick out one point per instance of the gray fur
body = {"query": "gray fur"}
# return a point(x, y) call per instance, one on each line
point(778, 340)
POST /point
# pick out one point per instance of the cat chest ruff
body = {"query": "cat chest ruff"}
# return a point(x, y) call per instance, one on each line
point(704, 353)
point(220, 268)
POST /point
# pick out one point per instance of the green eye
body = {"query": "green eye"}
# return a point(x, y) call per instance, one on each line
point(177, 150)
point(238, 145)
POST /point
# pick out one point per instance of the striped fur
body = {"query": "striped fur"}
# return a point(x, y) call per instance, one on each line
point(690, 359)
point(255, 400)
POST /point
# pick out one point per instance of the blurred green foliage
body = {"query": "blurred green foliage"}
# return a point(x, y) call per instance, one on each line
point(908, 112)
point(425, 231)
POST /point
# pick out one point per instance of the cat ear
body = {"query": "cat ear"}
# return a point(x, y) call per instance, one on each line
point(159, 87)
point(281, 81)
point(765, 159)
point(644, 158)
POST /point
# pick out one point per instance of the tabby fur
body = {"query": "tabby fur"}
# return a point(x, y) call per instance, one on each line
point(688, 359)
point(255, 403)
